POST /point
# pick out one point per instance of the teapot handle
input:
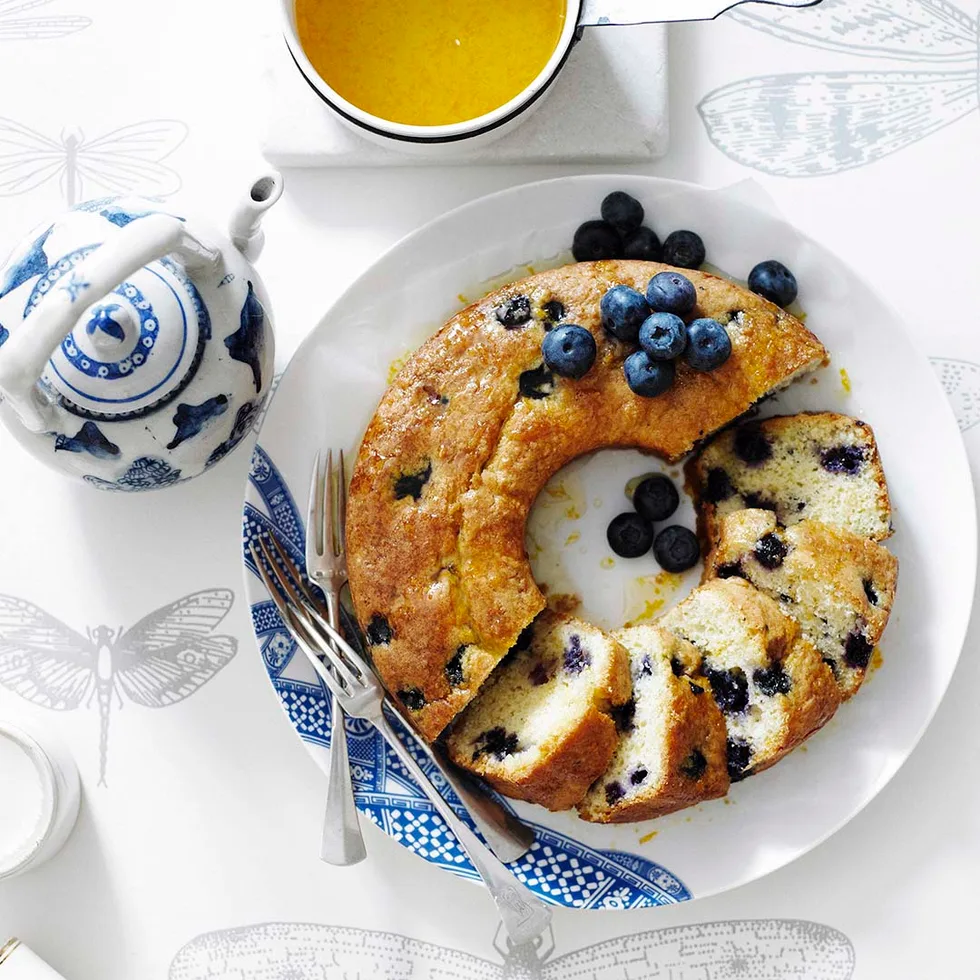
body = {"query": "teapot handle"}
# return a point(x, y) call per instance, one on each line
point(24, 355)
point(602, 12)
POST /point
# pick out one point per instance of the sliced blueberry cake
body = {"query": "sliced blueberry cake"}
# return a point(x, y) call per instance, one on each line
point(837, 585)
point(481, 416)
point(771, 684)
point(818, 466)
point(671, 750)
point(544, 726)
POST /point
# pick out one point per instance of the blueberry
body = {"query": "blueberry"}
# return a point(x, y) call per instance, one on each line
point(656, 497)
point(623, 311)
point(717, 486)
point(730, 569)
point(629, 535)
point(411, 484)
point(676, 549)
point(857, 650)
point(663, 336)
point(694, 765)
point(596, 240)
point(730, 688)
point(614, 793)
point(684, 249)
point(569, 350)
point(670, 292)
point(676, 667)
point(538, 382)
point(539, 674)
point(771, 680)
point(755, 501)
point(708, 345)
point(497, 742)
point(576, 657)
point(647, 377)
point(642, 244)
point(623, 212)
point(638, 775)
point(842, 459)
point(554, 311)
point(645, 667)
point(379, 631)
point(514, 312)
point(751, 445)
point(770, 551)
point(739, 753)
point(774, 281)
point(869, 591)
point(413, 699)
point(623, 715)
point(454, 668)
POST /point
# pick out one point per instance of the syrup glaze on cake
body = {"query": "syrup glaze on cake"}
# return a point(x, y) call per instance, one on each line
point(472, 428)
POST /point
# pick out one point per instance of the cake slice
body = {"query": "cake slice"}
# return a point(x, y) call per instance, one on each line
point(837, 585)
point(813, 466)
point(542, 728)
point(671, 749)
point(771, 684)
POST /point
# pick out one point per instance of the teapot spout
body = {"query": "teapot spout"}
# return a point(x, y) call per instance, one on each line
point(245, 230)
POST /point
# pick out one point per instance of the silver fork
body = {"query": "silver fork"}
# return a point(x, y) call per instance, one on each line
point(361, 695)
point(341, 841)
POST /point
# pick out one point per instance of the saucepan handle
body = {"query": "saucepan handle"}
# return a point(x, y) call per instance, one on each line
point(600, 12)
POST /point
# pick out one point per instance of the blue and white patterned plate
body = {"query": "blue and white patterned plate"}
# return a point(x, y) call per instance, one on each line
point(329, 393)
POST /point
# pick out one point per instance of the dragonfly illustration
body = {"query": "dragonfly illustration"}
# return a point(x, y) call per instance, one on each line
point(163, 659)
point(19, 23)
point(122, 161)
point(750, 949)
point(822, 122)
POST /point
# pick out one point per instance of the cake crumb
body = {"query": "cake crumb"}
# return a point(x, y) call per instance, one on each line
point(463, 299)
point(876, 658)
point(607, 562)
point(646, 838)
point(572, 538)
point(845, 380)
point(564, 603)
point(557, 492)
point(573, 513)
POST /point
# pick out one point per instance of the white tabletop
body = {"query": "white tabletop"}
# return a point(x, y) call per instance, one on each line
point(210, 813)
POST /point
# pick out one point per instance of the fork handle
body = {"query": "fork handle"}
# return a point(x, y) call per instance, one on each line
point(523, 914)
point(341, 840)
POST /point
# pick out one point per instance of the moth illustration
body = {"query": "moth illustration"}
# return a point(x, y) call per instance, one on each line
point(163, 659)
point(961, 382)
point(122, 161)
point(19, 23)
point(822, 122)
point(751, 949)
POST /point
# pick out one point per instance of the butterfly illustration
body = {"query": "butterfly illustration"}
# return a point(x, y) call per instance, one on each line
point(163, 659)
point(751, 949)
point(122, 161)
point(822, 122)
point(17, 23)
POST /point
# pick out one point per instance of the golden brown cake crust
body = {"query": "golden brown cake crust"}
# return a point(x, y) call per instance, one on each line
point(454, 457)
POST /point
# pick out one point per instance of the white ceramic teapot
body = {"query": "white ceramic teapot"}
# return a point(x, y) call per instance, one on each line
point(136, 345)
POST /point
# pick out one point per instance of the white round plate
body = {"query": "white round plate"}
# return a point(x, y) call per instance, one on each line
point(330, 391)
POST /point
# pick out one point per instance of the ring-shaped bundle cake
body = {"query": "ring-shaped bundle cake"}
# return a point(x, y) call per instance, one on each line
point(472, 428)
